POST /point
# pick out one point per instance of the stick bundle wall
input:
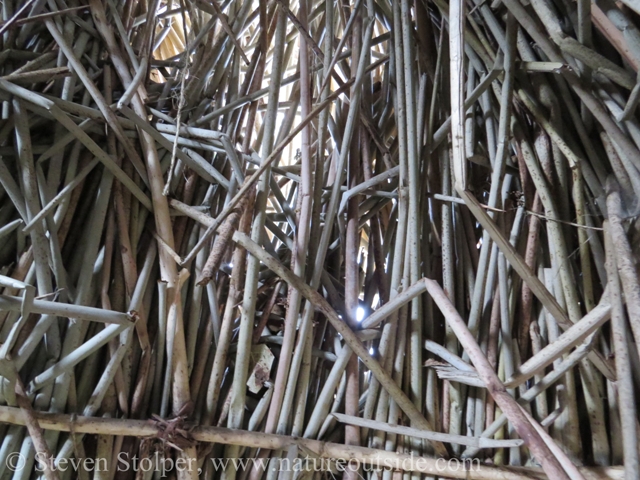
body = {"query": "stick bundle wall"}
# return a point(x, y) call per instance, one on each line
point(373, 230)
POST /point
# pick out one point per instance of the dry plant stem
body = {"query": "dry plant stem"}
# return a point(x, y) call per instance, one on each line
point(600, 14)
point(352, 274)
point(496, 388)
point(413, 170)
point(189, 157)
point(37, 18)
point(226, 329)
point(352, 221)
point(330, 213)
point(527, 297)
point(515, 260)
point(443, 437)
point(572, 470)
point(79, 354)
point(507, 352)
point(160, 350)
point(80, 134)
point(559, 248)
point(266, 164)
point(456, 46)
point(495, 201)
point(441, 134)
point(345, 35)
point(368, 456)
point(534, 392)
point(184, 71)
point(76, 329)
point(487, 255)
point(10, 227)
point(623, 372)
point(35, 432)
point(525, 273)
point(301, 239)
point(99, 393)
point(314, 297)
point(238, 388)
point(389, 308)
point(97, 97)
point(220, 245)
point(586, 97)
point(64, 193)
point(133, 86)
point(44, 307)
point(181, 394)
point(320, 411)
point(624, 258)
point(558, 242)
point(571, 337)
point(12, 21)
point(455, 398)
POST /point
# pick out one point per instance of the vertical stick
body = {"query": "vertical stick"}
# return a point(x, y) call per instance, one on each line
point(456, 53)
point(626, 397)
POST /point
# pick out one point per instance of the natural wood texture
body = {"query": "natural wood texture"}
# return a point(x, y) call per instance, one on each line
point(278, 230)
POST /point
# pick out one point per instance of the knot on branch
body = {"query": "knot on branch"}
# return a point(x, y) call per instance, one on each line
point(172, 433)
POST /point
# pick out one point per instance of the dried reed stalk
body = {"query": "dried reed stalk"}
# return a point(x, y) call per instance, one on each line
point(380, 230)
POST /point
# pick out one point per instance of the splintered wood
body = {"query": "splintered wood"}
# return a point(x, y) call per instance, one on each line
point(316, 239)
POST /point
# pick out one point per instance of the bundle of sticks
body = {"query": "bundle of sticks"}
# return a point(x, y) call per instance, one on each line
point(395, 235)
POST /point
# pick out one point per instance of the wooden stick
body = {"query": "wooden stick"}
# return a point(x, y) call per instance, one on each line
point(108, 426)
